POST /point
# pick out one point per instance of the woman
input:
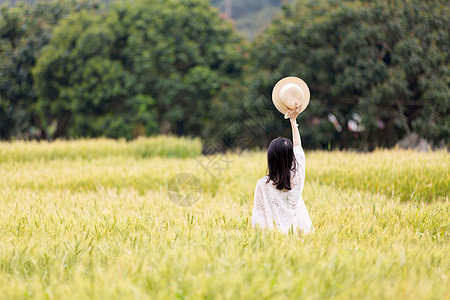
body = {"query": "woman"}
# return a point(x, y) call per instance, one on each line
point(278, 196)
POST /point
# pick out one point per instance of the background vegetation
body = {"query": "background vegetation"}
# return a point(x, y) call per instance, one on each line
point(87, 149)
point(377, 70)
point(382, 64)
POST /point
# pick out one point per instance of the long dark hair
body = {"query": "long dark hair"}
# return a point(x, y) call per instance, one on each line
point(280, 156)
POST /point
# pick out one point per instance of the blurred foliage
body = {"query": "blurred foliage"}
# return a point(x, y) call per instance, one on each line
point(24, 31)
point(90, 149)
point(249, 17)
point(143, 67)
point(101, 73)
point(387, 61)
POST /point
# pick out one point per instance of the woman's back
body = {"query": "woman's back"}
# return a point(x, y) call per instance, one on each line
point(283, 208)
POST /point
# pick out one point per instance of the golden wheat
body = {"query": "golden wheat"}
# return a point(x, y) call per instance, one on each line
point(103, 226)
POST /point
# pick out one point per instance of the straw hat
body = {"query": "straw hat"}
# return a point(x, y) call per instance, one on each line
point(287, 92)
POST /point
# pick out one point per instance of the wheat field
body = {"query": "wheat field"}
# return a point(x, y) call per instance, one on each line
point(94, 219)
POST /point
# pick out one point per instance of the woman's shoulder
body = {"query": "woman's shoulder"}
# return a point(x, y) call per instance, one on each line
point(262, 180)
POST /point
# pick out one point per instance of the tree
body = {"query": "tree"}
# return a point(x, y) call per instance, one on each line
point(144, 64)
point(385, 61)
point(412, 39)
point(81, 89)
point(24, 31)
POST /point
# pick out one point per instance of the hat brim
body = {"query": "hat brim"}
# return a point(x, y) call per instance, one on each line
point(283, 107)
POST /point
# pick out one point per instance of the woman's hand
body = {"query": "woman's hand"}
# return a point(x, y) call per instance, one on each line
point(293, 114)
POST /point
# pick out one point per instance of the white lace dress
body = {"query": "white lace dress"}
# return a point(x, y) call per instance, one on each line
point(283, 209)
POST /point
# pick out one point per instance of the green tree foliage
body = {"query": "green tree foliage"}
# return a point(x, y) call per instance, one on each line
point(413, 41)
point(388, 61)
point(147, 66)
point(24, 31)
point(139, 66)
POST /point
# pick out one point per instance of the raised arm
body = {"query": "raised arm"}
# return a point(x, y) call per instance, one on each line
point(293, 114)
point(298, 150)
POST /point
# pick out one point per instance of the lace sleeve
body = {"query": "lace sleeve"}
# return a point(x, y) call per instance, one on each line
point(259, 217)
point(300, 159)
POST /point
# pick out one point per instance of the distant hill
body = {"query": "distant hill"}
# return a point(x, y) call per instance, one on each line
point(249, 16)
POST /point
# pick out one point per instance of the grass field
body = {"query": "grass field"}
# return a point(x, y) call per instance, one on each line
point(92, 219)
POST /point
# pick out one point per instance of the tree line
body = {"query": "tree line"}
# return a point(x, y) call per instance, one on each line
point(377, 70)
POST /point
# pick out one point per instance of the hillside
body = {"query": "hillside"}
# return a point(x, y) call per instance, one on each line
point(250, 17)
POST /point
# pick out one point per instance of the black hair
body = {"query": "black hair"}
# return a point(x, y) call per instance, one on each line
point(280, 158)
